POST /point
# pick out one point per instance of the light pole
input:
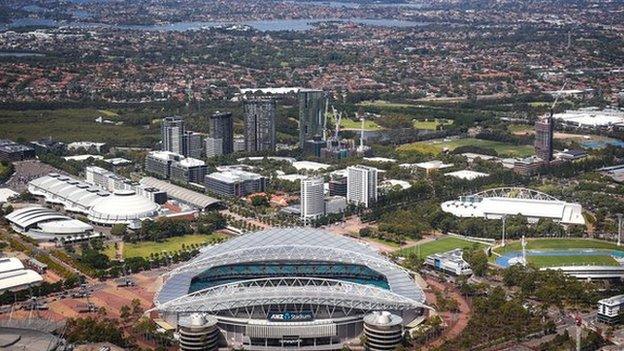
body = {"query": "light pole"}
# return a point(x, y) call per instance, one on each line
point(619, 216)
point(504, 222)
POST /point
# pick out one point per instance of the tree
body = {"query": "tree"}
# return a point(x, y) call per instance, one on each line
point(477, 259)
point(119, 229)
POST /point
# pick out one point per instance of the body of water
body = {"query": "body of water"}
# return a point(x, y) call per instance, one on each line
point(265, 26)
point(20, 54)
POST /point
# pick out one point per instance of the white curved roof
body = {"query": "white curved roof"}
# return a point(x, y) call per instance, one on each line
point(14, 276)
point(496, 203)
point(76, 196)
point(122, 207)
point(47, 220)
point(100, 206)
point(292, 244)
point(28, 216)
point(177, 192)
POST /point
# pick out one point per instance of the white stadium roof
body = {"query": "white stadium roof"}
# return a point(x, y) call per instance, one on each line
point(467, 174)
point(294, 245)
point(495, 203)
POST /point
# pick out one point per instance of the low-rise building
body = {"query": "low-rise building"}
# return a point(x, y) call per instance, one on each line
point(44, 224)
point(529, 166)
point(335, 204)
point(610, 309)
point(159, 163)
point(451, 262)
point(570, 155)
point(188, 170)
point(11, 151)
point(14, 276)
point(235, 183)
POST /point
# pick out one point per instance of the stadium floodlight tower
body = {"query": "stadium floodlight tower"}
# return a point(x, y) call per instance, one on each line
point(619, 216)
point(504, 218)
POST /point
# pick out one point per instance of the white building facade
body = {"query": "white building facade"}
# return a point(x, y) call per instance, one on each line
point(362, 185)
point(312, 198)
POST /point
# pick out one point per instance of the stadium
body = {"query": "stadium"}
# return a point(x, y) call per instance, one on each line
point(500, 202)
point(289, 287)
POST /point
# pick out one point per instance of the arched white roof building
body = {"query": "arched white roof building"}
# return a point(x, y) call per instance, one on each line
point(100, 206)
point(124, 206)
point(499, 202)
point(42, 223)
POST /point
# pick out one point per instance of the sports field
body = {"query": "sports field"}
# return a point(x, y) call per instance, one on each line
point(581, 260)
point(144, 249)
point(559, 258)
point(443, 244)
point(431, 124)
point(560, 243)
point(438, 145)
point(383, 103)
point(347, 123)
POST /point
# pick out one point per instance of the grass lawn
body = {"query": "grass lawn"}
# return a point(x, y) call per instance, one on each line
point(443, 244)
point(431, 124)
point(347, 123)
point(108, 113)
point(519, 128)
point(144, 249)
point(69, 125)
point(438, 145)
point(383, 103)
point(588, 260)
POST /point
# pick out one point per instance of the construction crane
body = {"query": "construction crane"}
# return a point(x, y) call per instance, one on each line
point(552, 107)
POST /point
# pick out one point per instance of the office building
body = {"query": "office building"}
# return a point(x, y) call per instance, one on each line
point(338, 186)
point(172, 134)
point(610, 309)
point(314, 146)
point(311, 115)
point(188, 170)
point(312, 198)
point(361, 185)
point(159, 163)
point(260, 125)
point(239, 143)
point(235, 183)
point(213, 147)
point(544, 138)
point(105, 179)
point(193, 144)
point(222, 127)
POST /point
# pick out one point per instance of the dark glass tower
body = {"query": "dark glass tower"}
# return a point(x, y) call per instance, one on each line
point(544, 138)
point(222, 127)
point(260, 125)
point(311, 115)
